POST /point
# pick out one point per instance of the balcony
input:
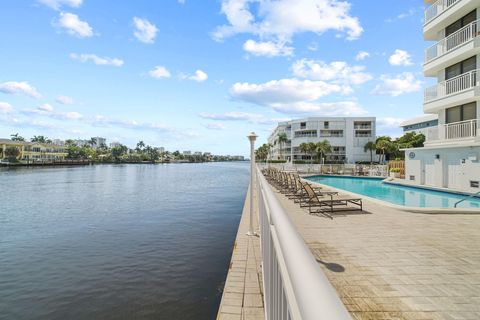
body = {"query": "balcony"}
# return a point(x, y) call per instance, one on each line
point(443, 13)
point(456, 47)
point(437, 8)
point(453, 131)
point(458, 90)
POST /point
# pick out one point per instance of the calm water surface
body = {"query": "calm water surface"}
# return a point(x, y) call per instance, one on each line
point(117, 241)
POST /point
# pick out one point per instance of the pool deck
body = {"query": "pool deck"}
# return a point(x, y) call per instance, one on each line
point(392, 264)
point(242, 297)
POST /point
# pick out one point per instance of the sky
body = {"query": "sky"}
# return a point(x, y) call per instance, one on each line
point(200, 75)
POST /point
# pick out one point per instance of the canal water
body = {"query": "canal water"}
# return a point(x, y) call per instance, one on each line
point(117, 241)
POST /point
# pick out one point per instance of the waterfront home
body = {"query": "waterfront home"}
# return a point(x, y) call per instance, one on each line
point(420, 124)
point(33, 151)
point(451, 155)
point(346, 135)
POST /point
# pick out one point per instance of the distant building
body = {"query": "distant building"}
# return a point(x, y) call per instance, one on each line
point(198, 153)
point(237, 158)
point(58, 142)
point(99, 141)
point(187, 153)
point(420, 124)
point(33, 151)
point(347, 137)
point(115, 144)
point(161, 149)
point(81, 142)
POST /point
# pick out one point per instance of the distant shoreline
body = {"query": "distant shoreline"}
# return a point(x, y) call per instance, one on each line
point(87, 162)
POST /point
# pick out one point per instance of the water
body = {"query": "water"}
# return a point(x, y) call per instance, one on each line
point(401, 195)
point(117, 241)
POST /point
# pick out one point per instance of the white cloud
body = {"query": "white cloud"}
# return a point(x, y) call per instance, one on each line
point(362, 55)
point(403, 15)
point(159, 72)
point(267, 48)
point(296, 96)
point(65, 100)
point(57, 4)
point(5, 107)
point(389, 122)
point(337, 72)
point(400, 58)
point(74, 26)
point(46, 107)
point(283, 91)
point(395, 86)
point(106, 61)
point(181, 1)
point(241, 116)
point(215, 126)
point(284, 18)
point(19, 88)
point(72, 115)
point(199, 76)
point(145, 31)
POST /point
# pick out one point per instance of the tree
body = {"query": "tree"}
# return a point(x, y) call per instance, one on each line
point(312, 147)
point(370, 146)
point(16, 137)
point(282, 138)
point(39, 139)
point(410, 140)
point(92, 142)
point(304, 147)
point(152, 153)
point(322, 148)
point(118, 151)
point(12, 153)
point(140, 146)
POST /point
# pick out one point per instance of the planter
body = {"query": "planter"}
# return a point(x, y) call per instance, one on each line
point(395, 175)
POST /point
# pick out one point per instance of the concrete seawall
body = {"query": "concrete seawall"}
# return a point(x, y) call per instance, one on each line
point(242, 297)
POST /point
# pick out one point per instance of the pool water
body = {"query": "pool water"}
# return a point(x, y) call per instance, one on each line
point(400, 195)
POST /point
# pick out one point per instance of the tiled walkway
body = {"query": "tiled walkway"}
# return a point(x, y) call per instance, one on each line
point(389, 264)
point(243, 295)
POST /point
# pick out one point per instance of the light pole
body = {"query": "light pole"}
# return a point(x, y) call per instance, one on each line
point(252, 137)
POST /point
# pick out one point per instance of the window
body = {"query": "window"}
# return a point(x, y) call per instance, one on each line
point(474, 184)
point(306, 133)
point(457, 25)
point(326, 124)
point(331, 133)
point(412, 178)
point(303, 125)
point(461, 113)
point(461, 68)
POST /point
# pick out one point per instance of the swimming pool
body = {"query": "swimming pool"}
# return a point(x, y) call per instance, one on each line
point(400, 195)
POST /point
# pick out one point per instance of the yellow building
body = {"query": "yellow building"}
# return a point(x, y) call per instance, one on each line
point(33, 151)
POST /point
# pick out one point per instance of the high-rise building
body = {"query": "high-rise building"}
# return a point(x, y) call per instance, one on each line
point(451, 155)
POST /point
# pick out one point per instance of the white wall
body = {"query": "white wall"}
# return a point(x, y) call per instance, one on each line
point(454, 169)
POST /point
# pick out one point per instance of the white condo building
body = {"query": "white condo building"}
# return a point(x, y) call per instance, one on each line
point(451, 155)
point(347, 137)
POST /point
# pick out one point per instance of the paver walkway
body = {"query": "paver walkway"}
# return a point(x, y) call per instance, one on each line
point(242, 297)
point(390, 264)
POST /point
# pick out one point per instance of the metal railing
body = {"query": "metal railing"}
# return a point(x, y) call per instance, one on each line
point(294, 285)
point(462, 129)
point(476, 195)
point(451, 86)
point(438, 8)
point(451, 42)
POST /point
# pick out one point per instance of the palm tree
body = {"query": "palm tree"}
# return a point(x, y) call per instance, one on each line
point(16, 137)
point(92, 142)
point(382, 146)
point(282, 138)
point(39, 139)
point(304, 147)
point(322, 148)
point(370, 146)
point(312, 147)
point(140, 146)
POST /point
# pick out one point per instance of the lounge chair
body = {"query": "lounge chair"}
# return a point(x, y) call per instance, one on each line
point(328, 204)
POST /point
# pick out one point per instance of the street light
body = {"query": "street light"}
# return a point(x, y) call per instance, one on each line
point(252, 137)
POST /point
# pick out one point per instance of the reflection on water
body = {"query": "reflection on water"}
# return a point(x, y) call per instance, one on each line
point(117, 241)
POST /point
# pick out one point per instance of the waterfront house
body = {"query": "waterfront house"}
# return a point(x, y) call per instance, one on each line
point(346, 135)
point(33, 151)
point(451, 155)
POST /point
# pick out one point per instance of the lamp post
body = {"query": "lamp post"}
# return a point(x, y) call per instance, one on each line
point(252, 137)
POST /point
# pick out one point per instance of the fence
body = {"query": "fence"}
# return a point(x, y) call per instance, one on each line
point(295, 287)
point(397, 164)
point(366, 170)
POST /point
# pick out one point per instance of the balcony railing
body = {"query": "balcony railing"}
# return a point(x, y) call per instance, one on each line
point(438, 8)
point(294, 285)
point(363, 126)
point(454, 130)
point(452, 86)
point(451, 42)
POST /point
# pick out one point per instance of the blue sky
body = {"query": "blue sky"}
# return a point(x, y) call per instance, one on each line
point(199, 75)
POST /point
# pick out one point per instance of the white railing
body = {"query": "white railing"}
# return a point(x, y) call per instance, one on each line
point(454, 85)
point(294, 285)
point(437, 8)
point(451, 42)
point(462, 129)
